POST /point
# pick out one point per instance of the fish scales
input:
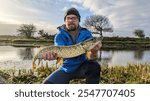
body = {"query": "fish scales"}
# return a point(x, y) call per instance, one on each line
point(68, 51)
point(64, 51)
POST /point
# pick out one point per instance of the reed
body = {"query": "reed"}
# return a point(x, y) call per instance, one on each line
point(130, 74)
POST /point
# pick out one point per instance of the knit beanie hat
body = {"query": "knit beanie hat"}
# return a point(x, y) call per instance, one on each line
point(73, 11)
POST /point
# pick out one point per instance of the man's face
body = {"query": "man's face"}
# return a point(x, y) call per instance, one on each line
point(71, 22)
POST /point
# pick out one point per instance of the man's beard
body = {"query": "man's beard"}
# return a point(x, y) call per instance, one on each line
point(72, 27)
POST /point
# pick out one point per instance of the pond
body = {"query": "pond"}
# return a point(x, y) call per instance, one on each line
point(21, 57)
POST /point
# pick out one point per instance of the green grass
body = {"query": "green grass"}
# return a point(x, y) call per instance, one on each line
point(108, 42)
point(130, 74)
point(24, 42)
point(125, 43)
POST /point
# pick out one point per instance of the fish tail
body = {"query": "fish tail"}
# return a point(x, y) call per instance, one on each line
point(33, 66)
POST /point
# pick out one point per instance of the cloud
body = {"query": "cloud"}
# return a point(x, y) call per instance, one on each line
point(30, 11)
point(125, 15)
point(45, 14)
point(16, 10)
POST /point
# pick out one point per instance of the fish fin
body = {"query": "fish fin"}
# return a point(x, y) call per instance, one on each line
point(88, 55)
point(59, 61)
point(33, 66)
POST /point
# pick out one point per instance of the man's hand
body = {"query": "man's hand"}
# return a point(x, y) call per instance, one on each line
point(50, 56)
point(96, 48)
point(93, 53)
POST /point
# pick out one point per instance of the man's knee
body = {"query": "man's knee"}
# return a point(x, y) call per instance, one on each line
point(95, 66)
point(93, 75)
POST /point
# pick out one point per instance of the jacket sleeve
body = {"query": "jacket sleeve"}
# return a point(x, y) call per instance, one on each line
point(59, 40)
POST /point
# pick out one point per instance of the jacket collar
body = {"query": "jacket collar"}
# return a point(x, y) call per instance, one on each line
point(63, 27)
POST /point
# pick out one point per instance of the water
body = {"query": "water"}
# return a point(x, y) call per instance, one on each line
point(18, 57)
point(124, 57)
point(21, 57)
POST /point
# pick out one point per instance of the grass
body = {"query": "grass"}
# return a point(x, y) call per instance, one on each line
point(130, 74)
point(19, 41)
point(108, 42)
point(125, 43)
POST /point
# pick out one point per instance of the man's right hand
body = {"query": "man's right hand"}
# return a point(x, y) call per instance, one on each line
point(49, 56)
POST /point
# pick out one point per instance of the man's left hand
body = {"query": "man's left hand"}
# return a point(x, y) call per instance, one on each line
point(93, 53)
point(96, 48)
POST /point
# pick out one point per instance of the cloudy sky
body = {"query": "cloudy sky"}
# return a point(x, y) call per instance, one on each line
point(124, 15)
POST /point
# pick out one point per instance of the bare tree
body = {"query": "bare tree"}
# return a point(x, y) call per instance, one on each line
point(27, 30)
point(43, 34)
point(98, 24)
point(139, 33)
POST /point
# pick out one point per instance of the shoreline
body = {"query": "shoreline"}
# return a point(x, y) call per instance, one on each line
point(107, 43)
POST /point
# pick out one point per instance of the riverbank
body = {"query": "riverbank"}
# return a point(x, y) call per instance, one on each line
point(131, 74)
point(108, 42)
point(24, 42)
point(125, 43)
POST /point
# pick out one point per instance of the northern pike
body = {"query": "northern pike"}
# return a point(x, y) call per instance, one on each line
point(68, 51)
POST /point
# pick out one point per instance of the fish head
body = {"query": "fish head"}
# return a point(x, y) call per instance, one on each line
point(91, 43)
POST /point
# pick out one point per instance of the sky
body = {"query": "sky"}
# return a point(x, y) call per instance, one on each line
point(124, 15)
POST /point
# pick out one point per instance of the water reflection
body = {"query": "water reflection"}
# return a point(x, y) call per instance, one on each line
point(124, 57)
point(18, 57)
point(26, 54)
point(21, 57)
point(138, 54)
point(10, 58)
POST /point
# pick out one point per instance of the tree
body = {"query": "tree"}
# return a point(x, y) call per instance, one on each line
point(98, 24)
point(43, 34)
point(27, 30)
point(139, 33)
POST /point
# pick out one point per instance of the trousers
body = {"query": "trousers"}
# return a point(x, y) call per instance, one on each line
point(89, 70)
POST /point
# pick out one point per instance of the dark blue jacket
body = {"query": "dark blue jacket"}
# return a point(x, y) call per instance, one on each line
point(63, 38)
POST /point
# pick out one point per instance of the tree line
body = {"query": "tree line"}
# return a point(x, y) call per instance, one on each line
point(97, 24)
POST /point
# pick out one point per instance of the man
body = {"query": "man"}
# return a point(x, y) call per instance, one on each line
point(77, 67)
